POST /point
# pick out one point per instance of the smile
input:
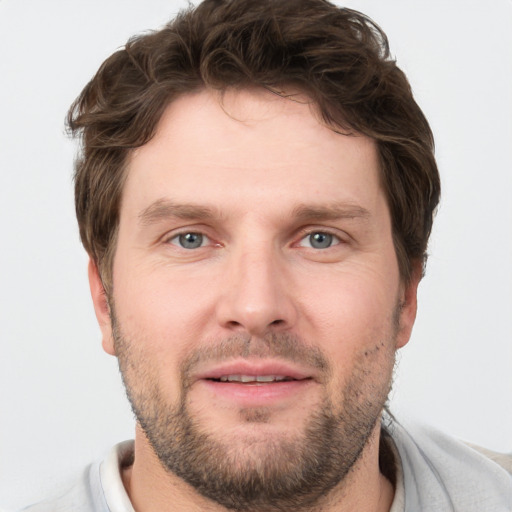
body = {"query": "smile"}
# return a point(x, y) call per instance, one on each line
point(254, 379)
point(254, 382)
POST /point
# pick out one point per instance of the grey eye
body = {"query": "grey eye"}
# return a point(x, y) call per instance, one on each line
point(320, 240)
point(190, 240)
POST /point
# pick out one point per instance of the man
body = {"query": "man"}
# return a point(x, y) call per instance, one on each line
point(256, 191)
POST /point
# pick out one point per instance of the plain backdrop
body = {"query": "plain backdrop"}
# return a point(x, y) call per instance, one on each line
point(61, 401)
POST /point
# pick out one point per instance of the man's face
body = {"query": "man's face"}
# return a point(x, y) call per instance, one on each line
point(256, 303)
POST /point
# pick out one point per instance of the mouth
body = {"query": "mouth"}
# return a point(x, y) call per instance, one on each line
point(254, 379)
point(255, 371)
point(254, 383)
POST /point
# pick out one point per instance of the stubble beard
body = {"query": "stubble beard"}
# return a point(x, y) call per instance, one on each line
point(277, 473)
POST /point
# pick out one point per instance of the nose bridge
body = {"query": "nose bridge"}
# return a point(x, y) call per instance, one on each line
point(257, 273)
point(256, 298)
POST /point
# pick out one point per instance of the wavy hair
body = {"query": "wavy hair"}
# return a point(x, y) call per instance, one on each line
point(339, 57)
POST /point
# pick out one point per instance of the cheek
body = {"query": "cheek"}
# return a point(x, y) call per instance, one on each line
point(358, 338)
point(352, 303)
point(150, 314)
point(165, 303)
point(352, 316)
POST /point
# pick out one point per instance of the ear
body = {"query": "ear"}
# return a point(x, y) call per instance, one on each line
point(409, 303)
point(101, 308)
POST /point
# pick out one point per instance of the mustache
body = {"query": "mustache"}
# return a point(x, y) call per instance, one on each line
point(285, 346)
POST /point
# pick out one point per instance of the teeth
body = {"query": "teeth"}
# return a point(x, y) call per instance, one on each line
point(266, 378)
point(253, 378)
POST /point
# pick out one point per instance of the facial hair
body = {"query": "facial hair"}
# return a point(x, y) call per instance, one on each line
point(278, 473)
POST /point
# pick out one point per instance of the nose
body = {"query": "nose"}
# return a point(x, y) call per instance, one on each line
point(257, 294)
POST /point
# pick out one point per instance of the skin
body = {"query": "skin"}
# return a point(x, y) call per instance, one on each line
point(246, 165)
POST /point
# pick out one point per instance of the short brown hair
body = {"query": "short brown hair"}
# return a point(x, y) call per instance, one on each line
point(338, 57)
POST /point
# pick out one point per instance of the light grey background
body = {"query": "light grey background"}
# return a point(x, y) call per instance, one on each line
point(61, 400)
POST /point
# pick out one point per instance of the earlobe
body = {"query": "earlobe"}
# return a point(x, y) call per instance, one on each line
point(101, 307)
point(408, 306)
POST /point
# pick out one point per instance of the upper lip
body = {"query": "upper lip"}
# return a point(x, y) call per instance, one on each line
point(254, 368)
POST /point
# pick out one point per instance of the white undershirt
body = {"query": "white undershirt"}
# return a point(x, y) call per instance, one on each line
point(110, 475)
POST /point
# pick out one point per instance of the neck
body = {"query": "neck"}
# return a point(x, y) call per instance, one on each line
point(151, 487)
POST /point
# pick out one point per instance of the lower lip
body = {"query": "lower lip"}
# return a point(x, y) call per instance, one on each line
point(256, 394)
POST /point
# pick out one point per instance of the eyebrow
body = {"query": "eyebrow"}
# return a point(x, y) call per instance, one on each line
point(163, 209)
point(330, 212)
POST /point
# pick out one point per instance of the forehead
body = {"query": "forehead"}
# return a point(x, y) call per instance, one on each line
point(260, 145)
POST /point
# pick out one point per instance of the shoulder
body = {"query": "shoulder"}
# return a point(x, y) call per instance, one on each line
point(502, 459)
point(85, 495)
point(99, 489)
point(443, 474)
